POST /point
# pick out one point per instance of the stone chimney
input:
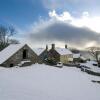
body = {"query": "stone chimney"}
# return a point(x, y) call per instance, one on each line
point(66, 46)
point(46, 47)
point(53, 46)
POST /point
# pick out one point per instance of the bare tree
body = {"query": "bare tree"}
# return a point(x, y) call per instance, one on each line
point(5, 34)
point(95, 51)
point(11, 31)
point(13, 41)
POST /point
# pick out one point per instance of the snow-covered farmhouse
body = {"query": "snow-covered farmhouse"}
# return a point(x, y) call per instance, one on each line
point(41, 53)
point(17, 54)
point(63, 55)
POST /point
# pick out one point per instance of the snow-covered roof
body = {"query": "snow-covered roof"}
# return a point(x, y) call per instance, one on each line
point(76, 55)
point(9, 51)
point(38, 51)
point(63, 51)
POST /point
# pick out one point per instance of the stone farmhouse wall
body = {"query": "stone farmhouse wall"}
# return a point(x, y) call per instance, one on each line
point(18, 57)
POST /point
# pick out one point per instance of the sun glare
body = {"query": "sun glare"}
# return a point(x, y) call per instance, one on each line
point(93, 23)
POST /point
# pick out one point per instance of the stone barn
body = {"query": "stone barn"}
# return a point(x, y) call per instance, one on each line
point(17, 54)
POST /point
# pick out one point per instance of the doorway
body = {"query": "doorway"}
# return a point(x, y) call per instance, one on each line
point(25, 51)
point(11, 65)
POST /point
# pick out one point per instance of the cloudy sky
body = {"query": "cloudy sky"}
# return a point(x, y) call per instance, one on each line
point(41, 22)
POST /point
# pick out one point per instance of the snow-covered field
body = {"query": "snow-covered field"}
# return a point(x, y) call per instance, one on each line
point(42, 82)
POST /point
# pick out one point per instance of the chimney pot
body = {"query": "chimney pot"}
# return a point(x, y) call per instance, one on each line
point(46, 47)
point(53, 46)
point(66, 46)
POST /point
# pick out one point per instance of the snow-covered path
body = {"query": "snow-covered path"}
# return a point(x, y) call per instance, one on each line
point(41, 82)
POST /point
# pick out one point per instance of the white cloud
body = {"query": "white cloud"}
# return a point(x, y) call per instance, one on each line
point(65, 16)
point(85, 14)
point(92, 22)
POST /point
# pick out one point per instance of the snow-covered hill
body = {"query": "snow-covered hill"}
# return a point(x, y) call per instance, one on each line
point(42, 82)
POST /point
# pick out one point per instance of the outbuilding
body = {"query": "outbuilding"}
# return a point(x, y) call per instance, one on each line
point(17, 54)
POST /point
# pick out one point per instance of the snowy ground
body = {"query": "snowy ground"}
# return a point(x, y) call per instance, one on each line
point(41, 82)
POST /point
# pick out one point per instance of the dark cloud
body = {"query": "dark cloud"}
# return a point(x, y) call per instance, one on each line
point(60, 31)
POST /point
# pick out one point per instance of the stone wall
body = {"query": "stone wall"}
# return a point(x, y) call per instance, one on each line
point(52, 54)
